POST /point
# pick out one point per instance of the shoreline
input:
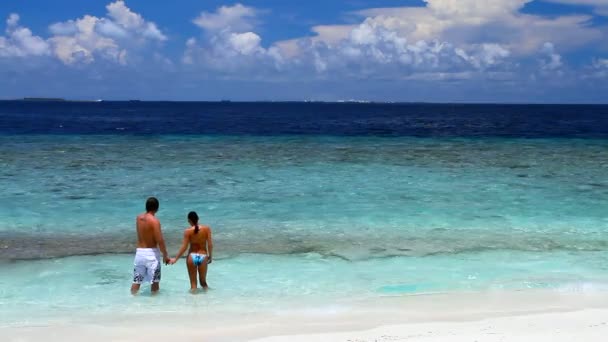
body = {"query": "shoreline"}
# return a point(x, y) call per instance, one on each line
point(435, 317)
point(586, 325)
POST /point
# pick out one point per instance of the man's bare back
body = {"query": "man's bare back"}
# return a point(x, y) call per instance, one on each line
point(150, 244)
point(148, 231)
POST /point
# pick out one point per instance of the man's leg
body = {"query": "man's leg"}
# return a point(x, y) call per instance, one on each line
point(138, 277)
point(135, 288)
point(156, 279)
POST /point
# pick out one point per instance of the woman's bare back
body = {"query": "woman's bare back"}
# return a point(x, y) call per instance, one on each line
point(198, 240)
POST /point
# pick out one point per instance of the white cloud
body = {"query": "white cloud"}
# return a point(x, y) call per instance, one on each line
point(12, 21)
point(550, 60)
point(393, 53)
point(600, 67)
point(237, 18)
point(133, 22)
point(245, 43)
point(489, 37)
point(601, 63)
point(382, 46)
point(475, 9)
point(20, 42)
point(111, 29)
point(479, 22)
point(109, 38)
point(228, 44)
point(64, 28)
point(442, 38)
point(484, 55)
point(375, 44)
point(85, 43)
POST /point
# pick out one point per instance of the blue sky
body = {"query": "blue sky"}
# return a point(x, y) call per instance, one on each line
point(383, 50)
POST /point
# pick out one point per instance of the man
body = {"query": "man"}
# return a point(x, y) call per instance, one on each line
point(149, 240)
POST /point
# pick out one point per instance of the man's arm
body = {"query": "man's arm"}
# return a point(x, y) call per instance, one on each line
point(210, 246)
point(160, 240)
point(137, 230)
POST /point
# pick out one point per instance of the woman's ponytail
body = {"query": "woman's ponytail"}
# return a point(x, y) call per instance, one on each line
point(193, 217)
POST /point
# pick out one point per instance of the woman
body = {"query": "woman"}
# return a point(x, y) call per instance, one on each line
point(200, 252)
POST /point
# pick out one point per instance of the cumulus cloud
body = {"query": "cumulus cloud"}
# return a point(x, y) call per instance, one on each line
point(474, 9)
point(20, 42)
point(372, 50)
point(443, 40)
point(393, 42)
point(477, 22)
point(237, 18)
point(246, 43)
point(85, 43)
point(109, 38)
point(550, 60)
point(396, 45)
point(374, 42)
point(599, 67)
point(12, 20)
point(484, 56)
point(228, 44)
point(63, 28)
point(464, 37)
point(120, 15)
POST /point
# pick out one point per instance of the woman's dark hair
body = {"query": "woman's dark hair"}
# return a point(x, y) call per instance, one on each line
point(193, 217)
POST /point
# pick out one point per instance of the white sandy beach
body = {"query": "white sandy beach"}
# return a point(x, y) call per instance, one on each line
point(498, 316)
point(587, 325)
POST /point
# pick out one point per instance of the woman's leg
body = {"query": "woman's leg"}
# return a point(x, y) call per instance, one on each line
point(191, 273)
point(202, 273)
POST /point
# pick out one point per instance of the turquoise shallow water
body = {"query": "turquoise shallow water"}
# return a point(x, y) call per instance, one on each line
point(51, 290)
point(299, 219)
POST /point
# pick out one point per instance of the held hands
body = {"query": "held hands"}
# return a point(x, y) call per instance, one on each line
point(172, 261)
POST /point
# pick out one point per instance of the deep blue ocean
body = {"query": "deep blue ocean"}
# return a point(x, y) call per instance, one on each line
point(296, 118)
point(311, 204)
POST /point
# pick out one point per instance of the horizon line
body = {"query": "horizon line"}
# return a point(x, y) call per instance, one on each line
point(349, 101)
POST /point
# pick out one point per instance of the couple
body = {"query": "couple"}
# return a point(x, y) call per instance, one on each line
point(150, 244)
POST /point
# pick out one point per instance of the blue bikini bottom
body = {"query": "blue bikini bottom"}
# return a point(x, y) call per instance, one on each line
point(198, 259)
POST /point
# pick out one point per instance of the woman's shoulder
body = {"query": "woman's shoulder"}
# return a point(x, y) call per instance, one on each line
point(200, 227)
point(203, 227)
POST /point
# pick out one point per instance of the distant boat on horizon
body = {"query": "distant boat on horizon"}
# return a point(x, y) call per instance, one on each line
point(44, 99)
point(54, 99)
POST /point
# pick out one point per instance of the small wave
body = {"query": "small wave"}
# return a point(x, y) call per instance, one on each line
point(29, 246)
point(583, 287)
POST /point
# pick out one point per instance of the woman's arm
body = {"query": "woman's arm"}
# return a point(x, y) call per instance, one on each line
point(183, 248)
point(210, 246)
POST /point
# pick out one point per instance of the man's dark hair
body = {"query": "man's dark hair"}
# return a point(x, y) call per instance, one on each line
point(151, 204)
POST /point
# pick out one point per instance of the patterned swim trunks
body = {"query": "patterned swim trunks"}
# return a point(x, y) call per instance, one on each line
point(146, 266)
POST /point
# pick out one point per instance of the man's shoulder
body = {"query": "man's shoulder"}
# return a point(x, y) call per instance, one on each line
point(147, 218)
